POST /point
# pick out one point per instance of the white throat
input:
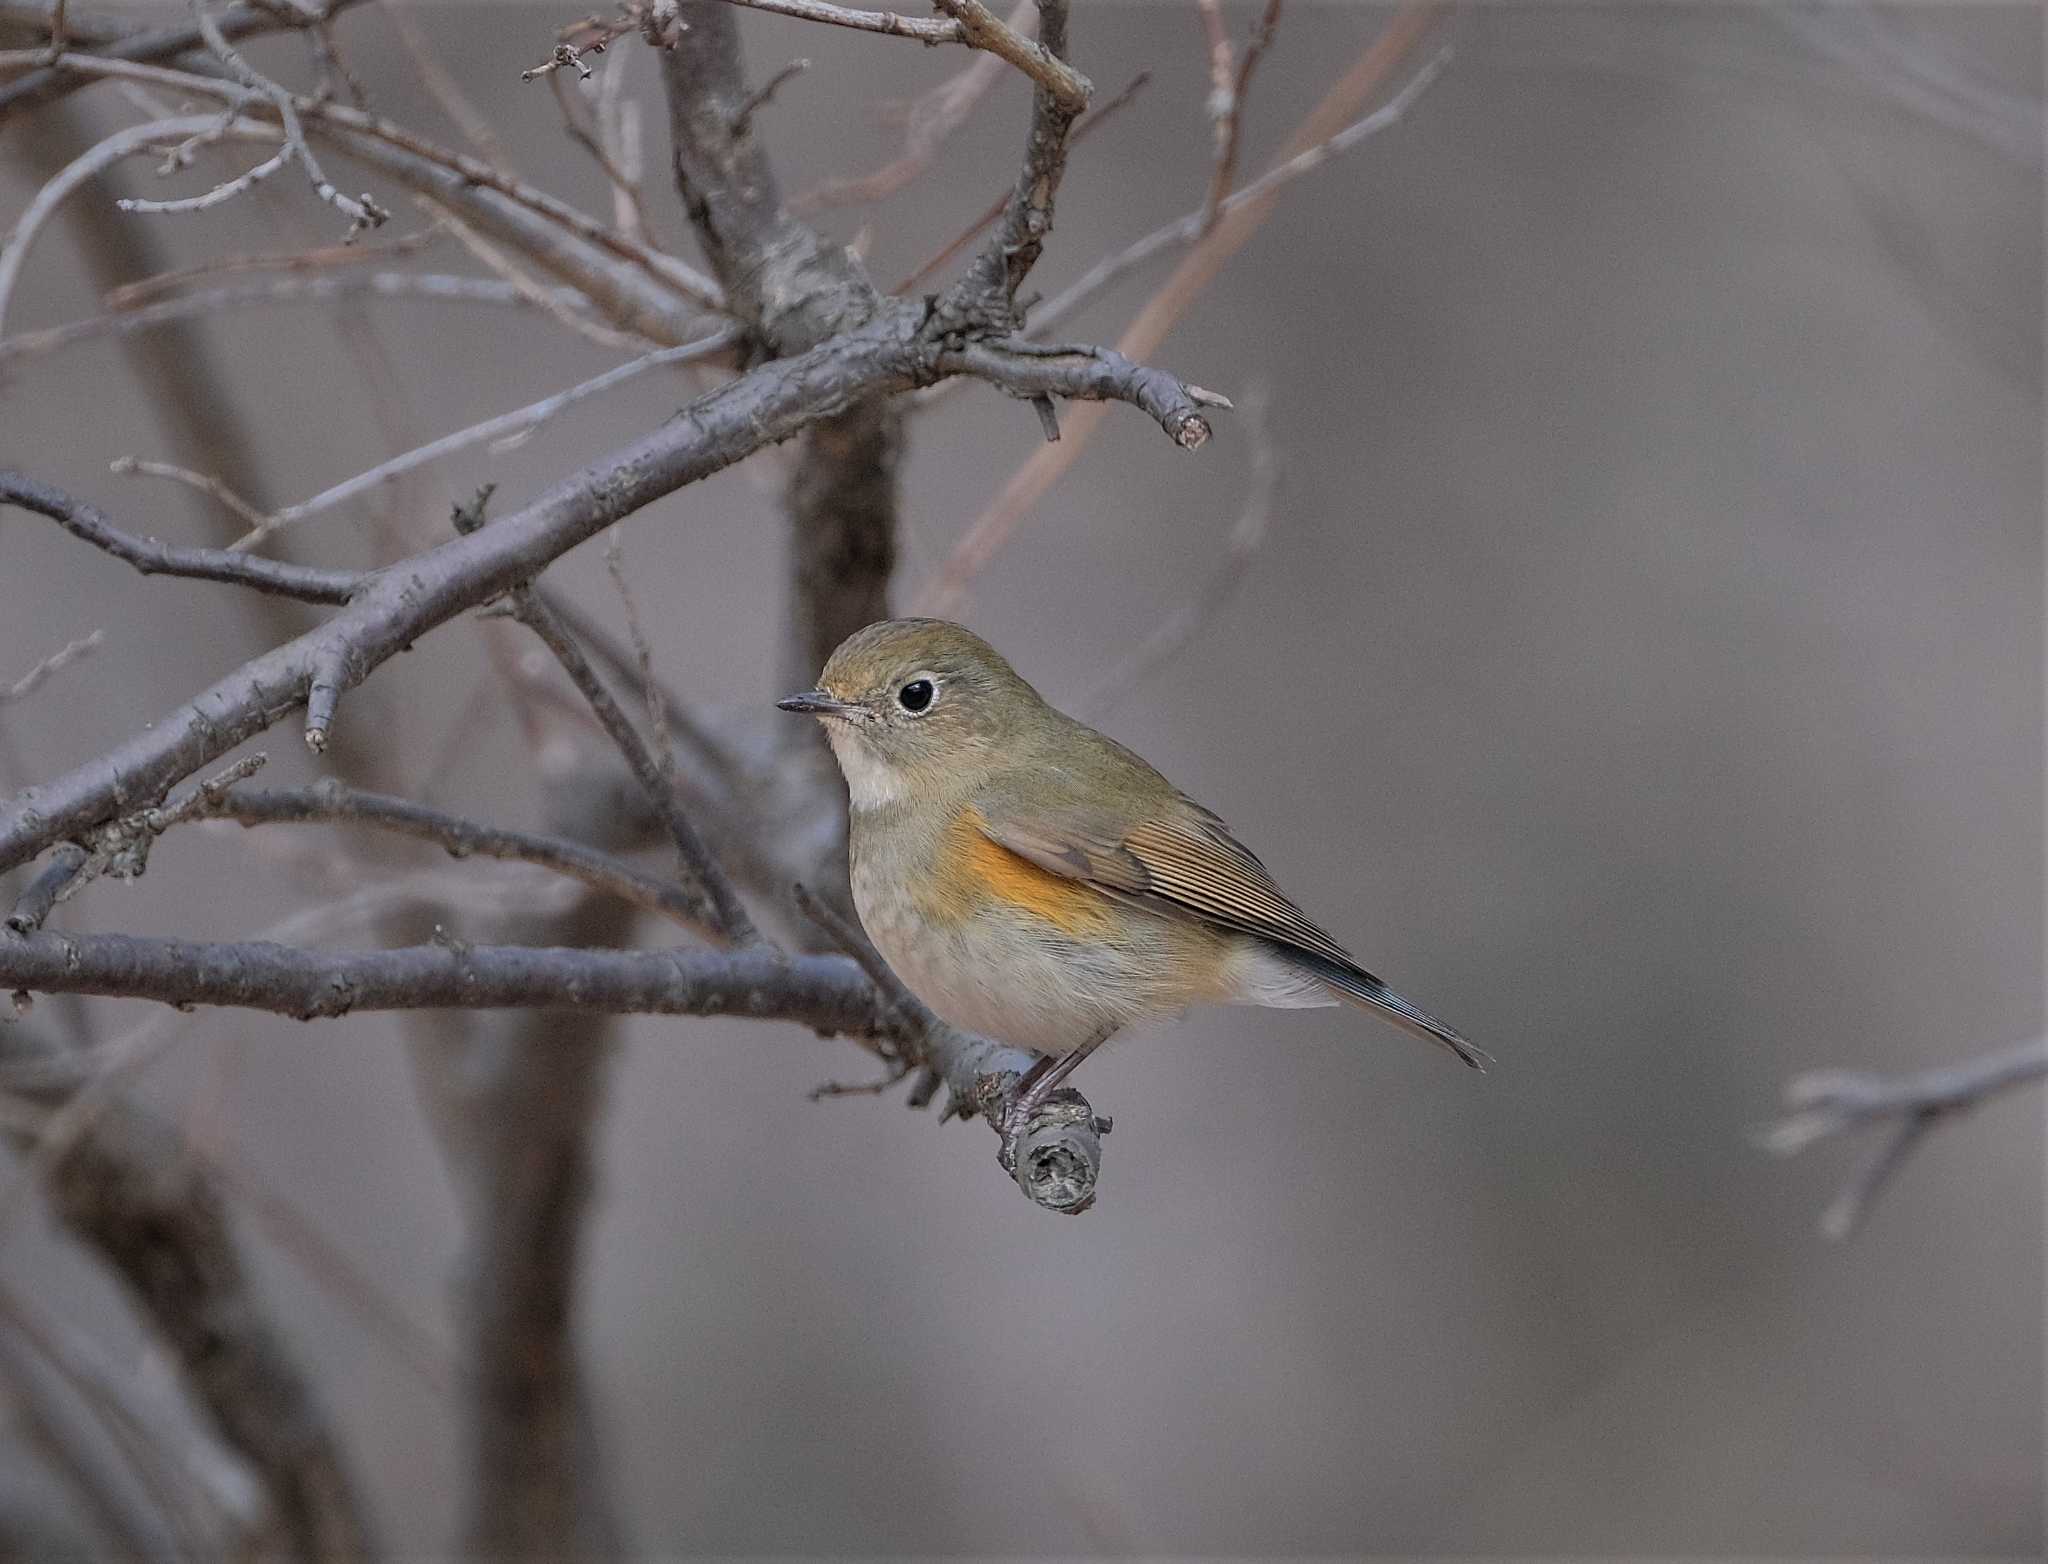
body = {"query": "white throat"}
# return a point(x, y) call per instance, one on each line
point(870, 783)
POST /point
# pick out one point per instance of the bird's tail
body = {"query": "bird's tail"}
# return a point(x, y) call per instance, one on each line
point(1359, 987)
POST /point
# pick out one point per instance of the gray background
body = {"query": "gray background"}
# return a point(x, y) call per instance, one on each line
point(1644, 672)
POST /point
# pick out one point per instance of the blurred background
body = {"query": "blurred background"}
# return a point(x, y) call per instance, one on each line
point(1642, 669)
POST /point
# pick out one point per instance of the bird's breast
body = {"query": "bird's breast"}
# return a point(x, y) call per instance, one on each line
point(999, 946)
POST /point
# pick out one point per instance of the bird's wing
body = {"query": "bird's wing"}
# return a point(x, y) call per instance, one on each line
point(1184, 864)
point(1183, 861)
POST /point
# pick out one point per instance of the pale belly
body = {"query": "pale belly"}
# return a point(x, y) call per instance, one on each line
point(1016, 978)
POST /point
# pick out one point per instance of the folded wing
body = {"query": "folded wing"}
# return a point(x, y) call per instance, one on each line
point(1184, 862)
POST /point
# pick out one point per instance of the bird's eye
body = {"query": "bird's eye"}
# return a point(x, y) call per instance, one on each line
point(916, 696)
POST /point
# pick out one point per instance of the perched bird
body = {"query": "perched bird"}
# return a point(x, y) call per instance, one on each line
point(1038, 883)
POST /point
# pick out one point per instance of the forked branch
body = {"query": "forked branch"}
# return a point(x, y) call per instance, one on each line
point(1827, 1103)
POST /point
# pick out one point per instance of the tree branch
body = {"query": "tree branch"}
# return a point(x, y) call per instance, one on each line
point(158, 1222)
point(1827, 1103)
point(1402, 34)
point(236, 22)
point(638, 288)
point(720, 906)
point(1058, 1156)
point(968, 21)
point(308, 583)
point(989, 289)
point(332, 801)
point(930, 120)
point(1090, 374)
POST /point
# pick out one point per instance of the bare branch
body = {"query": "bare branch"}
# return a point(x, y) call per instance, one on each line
point(924, 30)
point(331, 800)
point(743, 119)
point(641, 294)
point(595, 139)
point(989, 531)
point(1181, 626)
point(1827, 1103)
point(1229, 81)
point(931, 120)
point(361, 211)
point(205, 483)
point(1198, 223)
point(504, 430)
point(319, 258)
point(990, 286)
point(721, 907)
point(573, 311)
point(390, 609)
point(72, 652)
point(119, 848)
point(1089, 374)
point(309, 583)
point(1059, 1154)
point(43, 893)
point(87, 165)
point(223, 192)
point(159, 1225)
point(829, 994)
point(55, 78)
point(1083, 128)
point(432, 287)
point(1043, 60)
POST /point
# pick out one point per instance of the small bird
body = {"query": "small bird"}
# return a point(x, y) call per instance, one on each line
point(1036, 882)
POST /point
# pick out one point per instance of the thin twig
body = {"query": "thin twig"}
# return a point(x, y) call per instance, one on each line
point(624, 186)
point(361, 211)
point(47, 889)
point(333, 801)
point(151, 557)
point(1083, 128)
point(1826, 1103)
point(572, 311)
point(364, 135)
point(71, 652)
point(743, 117)
point(1247, 535)
point(651, 691)
point(205, 483)
point(723, 909)
point(1043, 62)
point(931, 120)
point(989, 531)
point(886, 354)
point(1190, 229)
point(1230, 79)
point(988, 290)
point(320, 258)
point(446, 91)
point(623, 662)
point(507, 429)
point(88, 165)
point(1056, 1162)
point(433, 287)
point(223, 192)
point(119, 848)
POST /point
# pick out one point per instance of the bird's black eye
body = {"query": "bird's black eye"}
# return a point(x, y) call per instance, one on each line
point(916, 696)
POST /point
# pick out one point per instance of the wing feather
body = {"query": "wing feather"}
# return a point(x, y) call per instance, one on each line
point(1184, 862)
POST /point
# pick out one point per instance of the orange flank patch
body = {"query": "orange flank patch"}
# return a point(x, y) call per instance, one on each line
point(980, 872)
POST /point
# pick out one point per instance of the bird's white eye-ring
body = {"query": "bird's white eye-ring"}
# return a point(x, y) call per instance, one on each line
point(918, 693)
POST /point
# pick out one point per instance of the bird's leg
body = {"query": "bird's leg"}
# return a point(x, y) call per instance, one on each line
point(1038, 1083)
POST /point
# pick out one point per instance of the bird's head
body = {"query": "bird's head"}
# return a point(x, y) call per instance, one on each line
point(918, 705)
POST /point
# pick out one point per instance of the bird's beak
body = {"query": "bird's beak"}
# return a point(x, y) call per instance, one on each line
point(816, 703)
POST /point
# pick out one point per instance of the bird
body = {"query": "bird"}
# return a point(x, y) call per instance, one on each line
point(1034, 881)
